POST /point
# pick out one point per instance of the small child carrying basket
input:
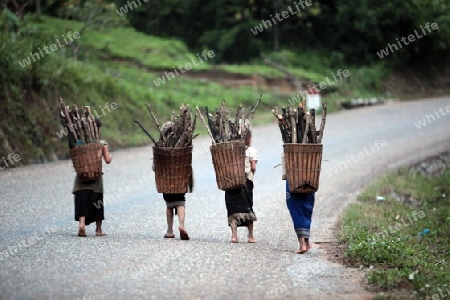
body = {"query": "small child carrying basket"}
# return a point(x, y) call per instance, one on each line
point(302, 146)
point(172, 153)
point(303, 163)
point(85, 149)
point(173, 169)
point(87, 161)
point(229, 164)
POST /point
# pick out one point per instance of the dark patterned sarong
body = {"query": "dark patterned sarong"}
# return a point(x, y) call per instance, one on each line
point(239, 203)
point(89, 204)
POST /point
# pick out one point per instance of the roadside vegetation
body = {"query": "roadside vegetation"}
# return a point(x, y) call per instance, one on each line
point(107, 69)
point(399, 232)
point(118, 58)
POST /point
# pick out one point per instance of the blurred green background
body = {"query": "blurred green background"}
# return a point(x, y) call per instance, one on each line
point(125, 46)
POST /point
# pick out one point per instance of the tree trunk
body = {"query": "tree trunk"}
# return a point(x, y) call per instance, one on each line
point(38, 8)
point(276, 35)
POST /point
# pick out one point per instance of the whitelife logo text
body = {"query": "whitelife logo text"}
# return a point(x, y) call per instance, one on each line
point(187, 66)
point(391, 48)
point(53, 47)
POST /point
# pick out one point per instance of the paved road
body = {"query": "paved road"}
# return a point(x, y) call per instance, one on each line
point(47, 261)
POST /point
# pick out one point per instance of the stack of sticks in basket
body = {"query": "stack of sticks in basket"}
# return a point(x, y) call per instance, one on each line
point(298, 125)
point(224, 127)
point(81, 125)
point(176, 133)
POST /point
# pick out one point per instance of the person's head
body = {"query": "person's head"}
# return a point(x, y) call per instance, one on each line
point(98, 123)
point(166, 128)
point(248, 138)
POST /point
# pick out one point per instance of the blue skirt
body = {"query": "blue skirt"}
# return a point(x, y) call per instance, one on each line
point(301, 208)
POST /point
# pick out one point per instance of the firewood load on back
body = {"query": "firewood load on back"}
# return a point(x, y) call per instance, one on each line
point(302, 149)
point(172, 153)
point(80, 125)
point(228, 133)
point(224, 126)
point(176, 133)
point(298, 125)
point(84, 147)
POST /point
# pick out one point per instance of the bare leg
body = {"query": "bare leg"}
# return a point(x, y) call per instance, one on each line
point(181, 213)
point(81, 227)
point(169, 215)
point(98, 229)
point(308, 245)
point(234, 238)
point(251, 239)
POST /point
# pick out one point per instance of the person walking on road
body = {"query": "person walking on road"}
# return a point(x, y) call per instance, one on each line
point(239, 202)
point(175, 205)
point(89, 206)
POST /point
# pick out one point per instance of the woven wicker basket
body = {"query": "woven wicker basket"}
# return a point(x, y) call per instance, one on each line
point(173, 167)
point(87, 161)
point(229, 164)
point(303, 163)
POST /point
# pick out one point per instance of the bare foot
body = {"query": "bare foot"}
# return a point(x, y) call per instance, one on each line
point(183, 234)
point(169, 236)
point(251, 240)
point(234, 240)
point(99, 233)
point(81, 232)
point(303, 248)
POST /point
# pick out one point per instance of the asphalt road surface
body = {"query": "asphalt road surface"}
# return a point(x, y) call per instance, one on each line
point(41, 257)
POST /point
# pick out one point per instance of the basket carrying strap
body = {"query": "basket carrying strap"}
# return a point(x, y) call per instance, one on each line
point(173, 187)
point(305, 185)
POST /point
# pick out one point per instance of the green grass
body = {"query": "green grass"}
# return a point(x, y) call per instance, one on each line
point(124, 44)
point(396, 253)
point(120, 65)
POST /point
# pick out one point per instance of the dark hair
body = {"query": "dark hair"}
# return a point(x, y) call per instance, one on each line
point(248, 136)
point(98, 122)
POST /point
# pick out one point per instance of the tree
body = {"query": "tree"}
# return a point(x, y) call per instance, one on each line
point(95, 14)
point(19, 7)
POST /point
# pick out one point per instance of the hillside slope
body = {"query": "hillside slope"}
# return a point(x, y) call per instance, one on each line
point(129, 69)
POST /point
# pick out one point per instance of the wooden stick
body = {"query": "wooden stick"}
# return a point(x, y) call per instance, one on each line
point(92, 123)
point(194, 123)
point(71, 139)
point(85, 125)
point(293, 126)
point(77, 120)
point(313, 136)
point(221, 120)
point(305, 134)
point(212, 124)
point(299, 125)
point(149, 107)
point(322, 125)
point(252, 110)
point(302, 121)
point(207, 128)
point(236, 120)
point(65, 110)
point(143, 129)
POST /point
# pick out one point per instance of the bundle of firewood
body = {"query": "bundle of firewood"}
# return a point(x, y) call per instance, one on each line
point(298, 125)
point(80, 124)
point(224, 126)
point(176, 133)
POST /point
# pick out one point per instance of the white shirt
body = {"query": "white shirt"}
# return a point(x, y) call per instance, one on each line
point(250, 155)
